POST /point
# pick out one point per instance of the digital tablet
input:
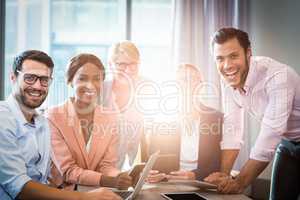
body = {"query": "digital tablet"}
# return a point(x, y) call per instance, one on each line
point(135, 172)
point(183, 196)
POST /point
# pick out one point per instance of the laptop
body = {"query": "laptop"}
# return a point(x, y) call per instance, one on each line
point(128, 195)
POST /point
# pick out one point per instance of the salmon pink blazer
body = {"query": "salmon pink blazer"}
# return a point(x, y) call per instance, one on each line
point(72, 163)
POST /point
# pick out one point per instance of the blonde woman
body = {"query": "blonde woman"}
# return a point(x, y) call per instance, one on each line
point(120, 94)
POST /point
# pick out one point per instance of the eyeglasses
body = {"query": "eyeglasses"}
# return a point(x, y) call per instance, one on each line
point(124, 65)
point(30, 79)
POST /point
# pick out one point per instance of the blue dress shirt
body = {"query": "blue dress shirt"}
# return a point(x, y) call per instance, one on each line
point(24, 149)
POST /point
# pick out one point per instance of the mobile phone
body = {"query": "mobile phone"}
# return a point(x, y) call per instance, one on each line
point(183, 196)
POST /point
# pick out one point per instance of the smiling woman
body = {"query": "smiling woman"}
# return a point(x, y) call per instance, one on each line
point(85, 74)
point(84, 138)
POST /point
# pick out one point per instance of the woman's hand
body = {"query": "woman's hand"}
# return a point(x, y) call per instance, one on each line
point(121, 181)
point(181, 175)
point(155, 176)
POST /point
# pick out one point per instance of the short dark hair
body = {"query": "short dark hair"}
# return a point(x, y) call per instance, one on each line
point(78, 61)
point(35, 55)
point(227, 33)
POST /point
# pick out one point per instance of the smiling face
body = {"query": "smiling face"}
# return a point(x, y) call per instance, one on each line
point(188, 78)
point(87, 83)
point(232, 62)
point(31, 95)
point(125, 67)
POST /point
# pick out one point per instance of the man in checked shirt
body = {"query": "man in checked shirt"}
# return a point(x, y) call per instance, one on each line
point(270, 91)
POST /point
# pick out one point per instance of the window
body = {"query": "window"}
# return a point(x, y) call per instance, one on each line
point(151, 30)
point(64, 28)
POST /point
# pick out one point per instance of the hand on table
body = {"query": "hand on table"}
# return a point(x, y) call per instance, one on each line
point(230, 186)
point(100, 194)
point(225, 184)
point(155, 176)
point(216, 178)
point(181, 175)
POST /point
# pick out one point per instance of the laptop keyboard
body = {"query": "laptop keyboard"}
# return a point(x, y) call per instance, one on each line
point(123, 194)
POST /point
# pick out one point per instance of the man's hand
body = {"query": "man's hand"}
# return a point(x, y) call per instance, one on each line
point(225, 183)
point(123, 181)
point(100, 194)
point(181, 175)
point(230, 186)
point(155, 176)
point(34, 190)
point(216, 178)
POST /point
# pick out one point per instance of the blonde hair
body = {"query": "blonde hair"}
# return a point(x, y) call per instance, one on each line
point(126, 48)
point(185, 66)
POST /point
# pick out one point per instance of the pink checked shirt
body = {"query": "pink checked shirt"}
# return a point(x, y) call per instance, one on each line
point(272, 96)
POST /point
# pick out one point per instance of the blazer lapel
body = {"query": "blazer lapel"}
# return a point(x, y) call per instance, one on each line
point(98, 136)
point(74, 122)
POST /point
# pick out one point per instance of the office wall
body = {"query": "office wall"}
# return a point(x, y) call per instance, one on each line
point(275, 29)
point(275, 32)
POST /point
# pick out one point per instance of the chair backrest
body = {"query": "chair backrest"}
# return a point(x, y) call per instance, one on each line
point(167, 142)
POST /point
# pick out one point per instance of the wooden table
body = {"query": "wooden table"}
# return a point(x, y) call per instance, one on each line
point(152, 192)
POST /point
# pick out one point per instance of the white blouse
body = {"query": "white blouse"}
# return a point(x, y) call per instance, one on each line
point(189, 148)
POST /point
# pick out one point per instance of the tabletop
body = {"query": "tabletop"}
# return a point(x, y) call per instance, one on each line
point(153, 192)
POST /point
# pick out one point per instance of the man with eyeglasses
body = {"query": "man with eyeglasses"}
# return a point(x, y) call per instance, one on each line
point(25, 137)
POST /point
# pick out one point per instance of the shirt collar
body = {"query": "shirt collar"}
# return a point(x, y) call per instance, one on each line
point(251, 76)
point(19, 115)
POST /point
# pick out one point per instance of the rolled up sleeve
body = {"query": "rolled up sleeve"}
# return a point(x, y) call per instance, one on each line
point(13, 173)
point(281, 92)
point(265, 145)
